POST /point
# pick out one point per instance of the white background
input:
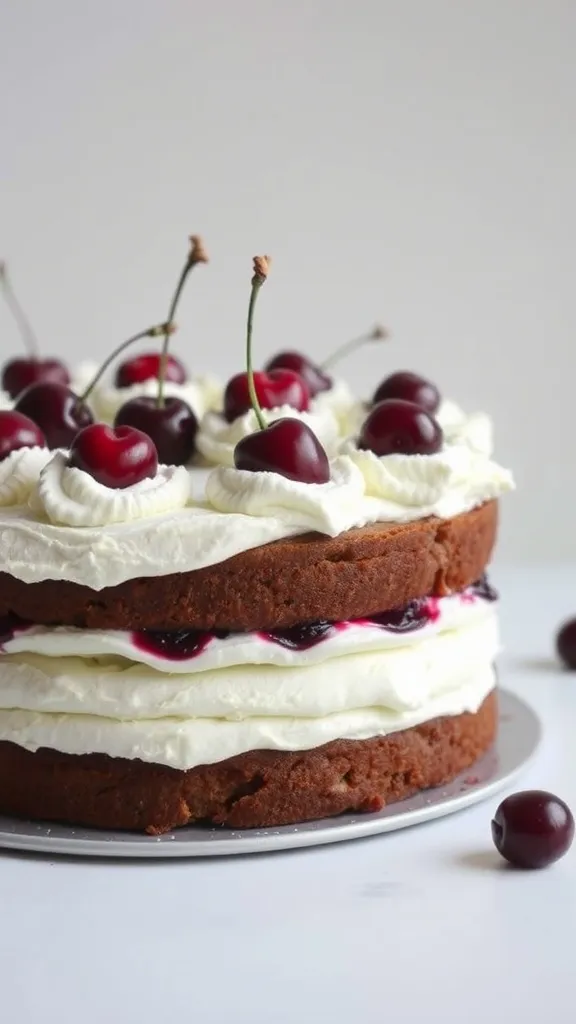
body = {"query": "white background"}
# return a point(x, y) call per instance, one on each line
point(411, 161)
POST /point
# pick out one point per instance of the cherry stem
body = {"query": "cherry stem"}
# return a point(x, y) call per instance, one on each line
point(261, 267)
point(151, 332)
point(378, 333)
point(24, 326)
point(196, 255)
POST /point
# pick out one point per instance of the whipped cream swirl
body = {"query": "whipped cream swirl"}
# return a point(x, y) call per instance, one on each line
point(341, 402)
point(474, 429)
point(406, 487)
point(5, 400)
point(70, 497)
point(19, 474)
point(217, 439)
point(329, 508)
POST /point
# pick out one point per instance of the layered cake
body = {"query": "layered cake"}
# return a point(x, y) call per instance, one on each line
point(315, 634)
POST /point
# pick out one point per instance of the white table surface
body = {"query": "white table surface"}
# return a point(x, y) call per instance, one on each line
point(422, 925)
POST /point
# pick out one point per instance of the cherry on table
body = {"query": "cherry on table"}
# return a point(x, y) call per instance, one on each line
point(532, 829)
point(312, 375)
point(395, 426)
point(171, 426)
point(411, 388)
point(146, 366)
point(18, 374)
point(56, 410)
point(116, 457)
point(279, 387)
point(288, 447)
point(18, 431)
point(566, 644)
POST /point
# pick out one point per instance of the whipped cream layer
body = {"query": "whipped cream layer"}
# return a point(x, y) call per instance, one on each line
point(19, 474)
point(131, 711)
point(341, 402)
point(216, 438)
point(160, 536)
point(196, 652)
point(5, 401)
point(198, 392)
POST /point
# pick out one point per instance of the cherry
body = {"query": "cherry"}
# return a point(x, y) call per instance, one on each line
point(566, 644)
point(279, 387)
point(146, 366)
point(18, 431)
point(312, 375)
point(19, 374)
point(532, 829)
point(287, 447)
point(169, 422)
point(411, 388)
point(117, 457)
point(172, 426)
point(58, 412)
point(399, 427)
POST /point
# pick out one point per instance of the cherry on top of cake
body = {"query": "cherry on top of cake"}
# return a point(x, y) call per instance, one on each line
point(116, 457)
point(314, 374)
point(154, 365)
point(287, 446)
point(398, 427)
point(21, 372)
point(169, 421)
point(18, 431)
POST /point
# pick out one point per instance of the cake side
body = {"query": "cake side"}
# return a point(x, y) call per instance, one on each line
point(300, 579)
point(255, 789)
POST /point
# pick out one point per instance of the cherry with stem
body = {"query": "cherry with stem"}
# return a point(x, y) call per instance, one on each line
point(287, 446)
point(58, 411)
point(23, 323)
point(19, 373)
point(158, 331)
point(197, 254)
point(378, 333)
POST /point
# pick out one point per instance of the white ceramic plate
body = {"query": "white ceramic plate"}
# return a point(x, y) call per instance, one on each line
point(518, 739)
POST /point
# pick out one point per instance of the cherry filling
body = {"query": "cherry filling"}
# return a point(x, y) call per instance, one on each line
point(413, 616)
point(10, 626)
point(179, 645)
point(303, 637)
point(184, 644)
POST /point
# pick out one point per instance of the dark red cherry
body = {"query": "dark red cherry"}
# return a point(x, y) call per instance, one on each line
point(57, 410)
point(566, 644)
point(532, 829)
point(287, 447)
point(398, 427)
point(172, 427)
point(315, 378)
point(147, 367)
point(279, 387)
point(411, 388)
point(18, 374)
point(114, 456)
point(18, 431)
